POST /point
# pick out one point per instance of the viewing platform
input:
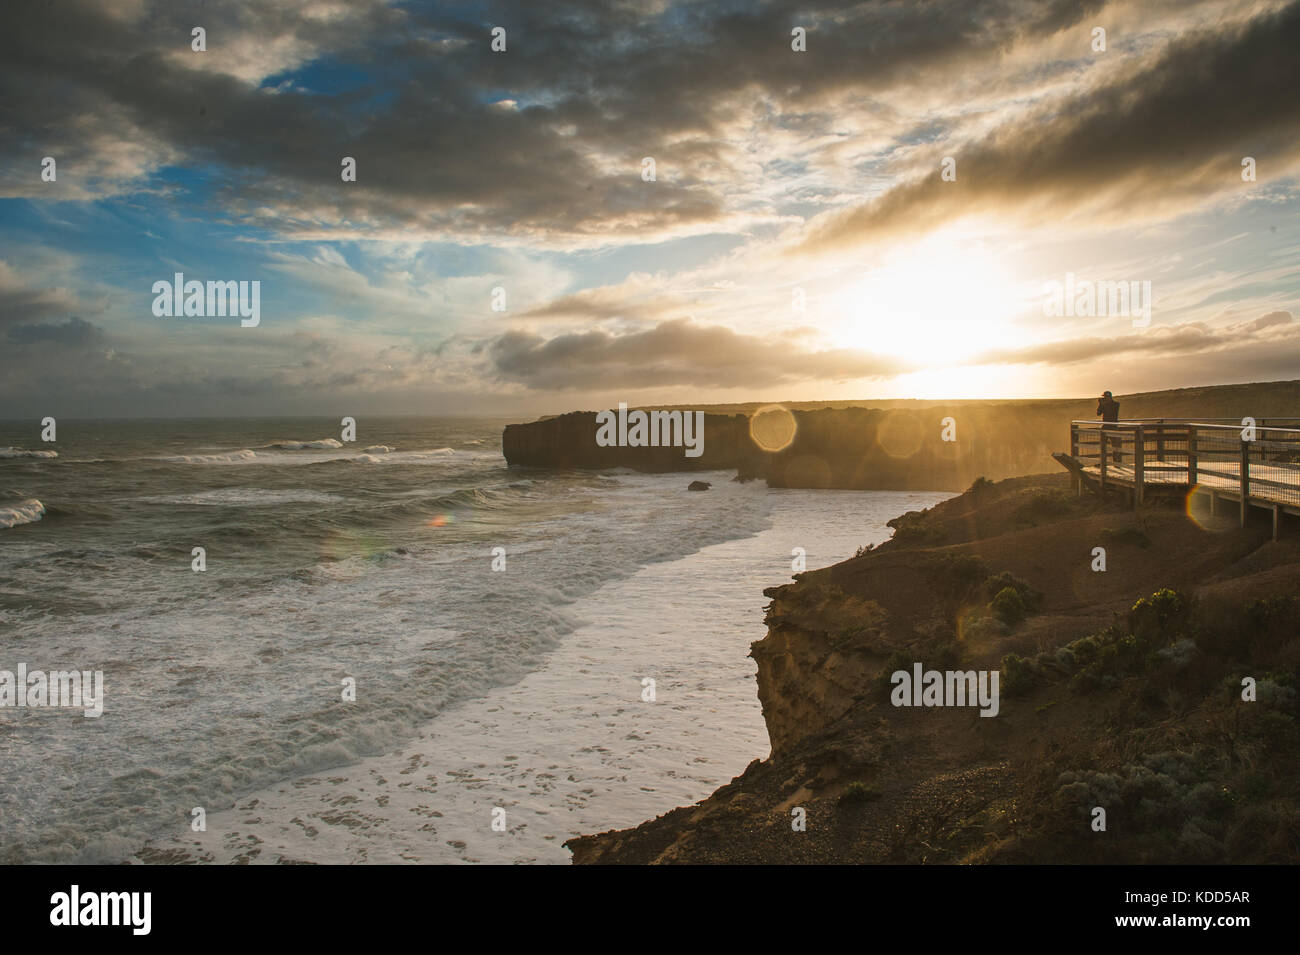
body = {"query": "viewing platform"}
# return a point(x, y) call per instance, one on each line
point(1255, 466)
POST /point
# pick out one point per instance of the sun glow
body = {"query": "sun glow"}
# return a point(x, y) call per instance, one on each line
point(935, 303)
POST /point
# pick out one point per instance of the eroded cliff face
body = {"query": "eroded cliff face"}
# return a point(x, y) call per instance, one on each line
point(820, 653)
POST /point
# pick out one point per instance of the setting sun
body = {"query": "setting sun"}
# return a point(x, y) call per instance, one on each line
point(932, 303)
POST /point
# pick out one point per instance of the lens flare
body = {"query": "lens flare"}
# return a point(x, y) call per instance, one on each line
point(900, 434)
point(772, 428)
point(1209, 514)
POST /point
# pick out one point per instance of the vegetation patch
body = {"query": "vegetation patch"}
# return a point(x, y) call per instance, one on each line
point(917, 528)
point(858, 794)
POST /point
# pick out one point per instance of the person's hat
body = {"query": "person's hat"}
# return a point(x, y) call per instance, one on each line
point(1105, 394)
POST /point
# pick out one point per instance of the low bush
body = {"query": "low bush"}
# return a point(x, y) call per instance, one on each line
point(858, 793)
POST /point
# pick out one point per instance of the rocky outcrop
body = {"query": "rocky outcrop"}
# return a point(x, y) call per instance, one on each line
point(569, 441)
point(821, 651)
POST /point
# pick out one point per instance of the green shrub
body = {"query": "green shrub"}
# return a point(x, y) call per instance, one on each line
point(979, 624)
point(1008, 606)
point(859, 793)
point(993, 585)
point(1018, 675)
point(955, 575)
point(1154, 619)
point(916, 527)
point(946, 656)
point(898, 660)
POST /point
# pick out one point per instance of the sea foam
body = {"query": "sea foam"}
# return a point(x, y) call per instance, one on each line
point(25, 453)
point(30, 510)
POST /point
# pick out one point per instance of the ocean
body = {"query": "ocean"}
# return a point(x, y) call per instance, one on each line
point(399, 650)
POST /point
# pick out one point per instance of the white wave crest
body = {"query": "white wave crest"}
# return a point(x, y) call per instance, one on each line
point(232, 457)
point(30, 510)
point(321, 444)
point(24, 453)
point(245, 497)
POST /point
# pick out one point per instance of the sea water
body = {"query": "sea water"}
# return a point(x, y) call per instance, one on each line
point(499, 629)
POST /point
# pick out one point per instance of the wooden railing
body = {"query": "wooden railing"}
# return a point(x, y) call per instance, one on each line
point(1258, 464)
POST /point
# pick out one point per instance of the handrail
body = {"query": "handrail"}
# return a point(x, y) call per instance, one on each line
point(1258, 467)
point(1131, 424)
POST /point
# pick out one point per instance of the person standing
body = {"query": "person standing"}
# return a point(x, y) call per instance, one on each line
point(1108, 408)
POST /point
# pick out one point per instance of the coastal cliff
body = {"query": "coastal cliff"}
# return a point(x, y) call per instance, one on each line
point(895, 446)
point(1121, 689)
point(569, 441)
point(831, 448)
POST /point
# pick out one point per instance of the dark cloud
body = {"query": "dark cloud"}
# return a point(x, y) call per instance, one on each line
point(74, 333)
point(1272, 318)
point(600, 86)
point(1160, 141)
point(21, 303)
point(675, 353)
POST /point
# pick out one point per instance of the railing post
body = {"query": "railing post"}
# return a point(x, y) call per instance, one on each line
point(1074, 453)
point(1191, 456)
point(1101, 446)
point(1160, 441)
point(1245, 478)
point(1139, 465)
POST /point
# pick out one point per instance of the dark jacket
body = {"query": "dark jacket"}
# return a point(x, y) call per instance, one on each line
point(1108, 408)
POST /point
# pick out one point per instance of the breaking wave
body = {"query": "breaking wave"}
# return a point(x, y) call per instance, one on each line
point(25, 453)
point(27, 512)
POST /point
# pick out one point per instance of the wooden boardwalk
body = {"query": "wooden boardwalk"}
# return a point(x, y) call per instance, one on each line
point(1254, 464)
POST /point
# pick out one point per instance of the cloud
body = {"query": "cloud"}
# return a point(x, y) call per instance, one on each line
point(1281, 335)
point(1158, 142)
point(413, 91)
point(74, 333)
point(525, 167)
point(677, 352)
point(1271, 319)
point(639, 296)
point(20, 302)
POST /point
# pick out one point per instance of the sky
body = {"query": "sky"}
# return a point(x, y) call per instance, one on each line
point(642, 201)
